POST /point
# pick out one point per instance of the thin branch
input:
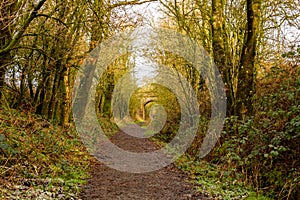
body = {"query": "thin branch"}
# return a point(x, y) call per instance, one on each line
point(14, 40)
point(126, 3)
point(54, 18)
point(35, 49)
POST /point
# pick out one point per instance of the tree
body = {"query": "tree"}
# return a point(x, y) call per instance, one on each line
point(43, 44)
point(246, 75)
point(221, 54)
point(15, 16)
point(218, 26)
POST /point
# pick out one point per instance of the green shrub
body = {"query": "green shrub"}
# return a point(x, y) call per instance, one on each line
point(265, 148)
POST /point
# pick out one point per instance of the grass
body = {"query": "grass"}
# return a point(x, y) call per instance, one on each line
point(39, 156)
point(215, 182)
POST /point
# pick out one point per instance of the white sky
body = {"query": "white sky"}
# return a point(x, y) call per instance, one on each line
point(145, 69)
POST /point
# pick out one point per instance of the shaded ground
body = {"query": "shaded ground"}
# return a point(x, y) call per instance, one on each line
point(109, 184)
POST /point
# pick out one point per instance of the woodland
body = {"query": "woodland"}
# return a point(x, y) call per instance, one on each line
point(255, 45)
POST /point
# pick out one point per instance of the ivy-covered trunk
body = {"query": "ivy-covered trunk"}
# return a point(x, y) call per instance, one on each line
point(246, 83)
point(6, 10)
point(221, 52)
point(2, 73)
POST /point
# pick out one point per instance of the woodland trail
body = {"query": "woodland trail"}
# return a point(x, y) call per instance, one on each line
point(167, 183)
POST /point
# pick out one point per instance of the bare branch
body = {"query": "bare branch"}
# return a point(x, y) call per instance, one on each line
point(126, 3)
point(13, 41)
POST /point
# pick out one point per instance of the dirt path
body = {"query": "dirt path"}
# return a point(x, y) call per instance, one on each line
point(109, 184)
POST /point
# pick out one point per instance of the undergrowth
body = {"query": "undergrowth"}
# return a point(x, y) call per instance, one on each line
point(212, 181)
point(36, 155)
point(263, 150)
point(257, 157)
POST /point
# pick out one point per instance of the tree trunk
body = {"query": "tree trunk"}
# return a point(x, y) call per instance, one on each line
point(2, 74)
point(66, 101)
point(7, 40)
point(220, 50)
point(6, 11)
point(246, 83)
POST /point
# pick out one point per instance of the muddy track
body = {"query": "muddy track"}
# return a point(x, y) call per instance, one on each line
point(109, 184)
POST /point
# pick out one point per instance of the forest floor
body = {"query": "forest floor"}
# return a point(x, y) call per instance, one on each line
point(110, 184)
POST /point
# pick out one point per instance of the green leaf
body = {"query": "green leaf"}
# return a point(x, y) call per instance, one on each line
point(274, 153)
point(266, 155)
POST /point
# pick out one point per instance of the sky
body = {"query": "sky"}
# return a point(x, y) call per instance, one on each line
point(145, 69)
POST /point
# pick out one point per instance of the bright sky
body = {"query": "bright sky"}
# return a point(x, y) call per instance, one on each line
point(145, 69)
